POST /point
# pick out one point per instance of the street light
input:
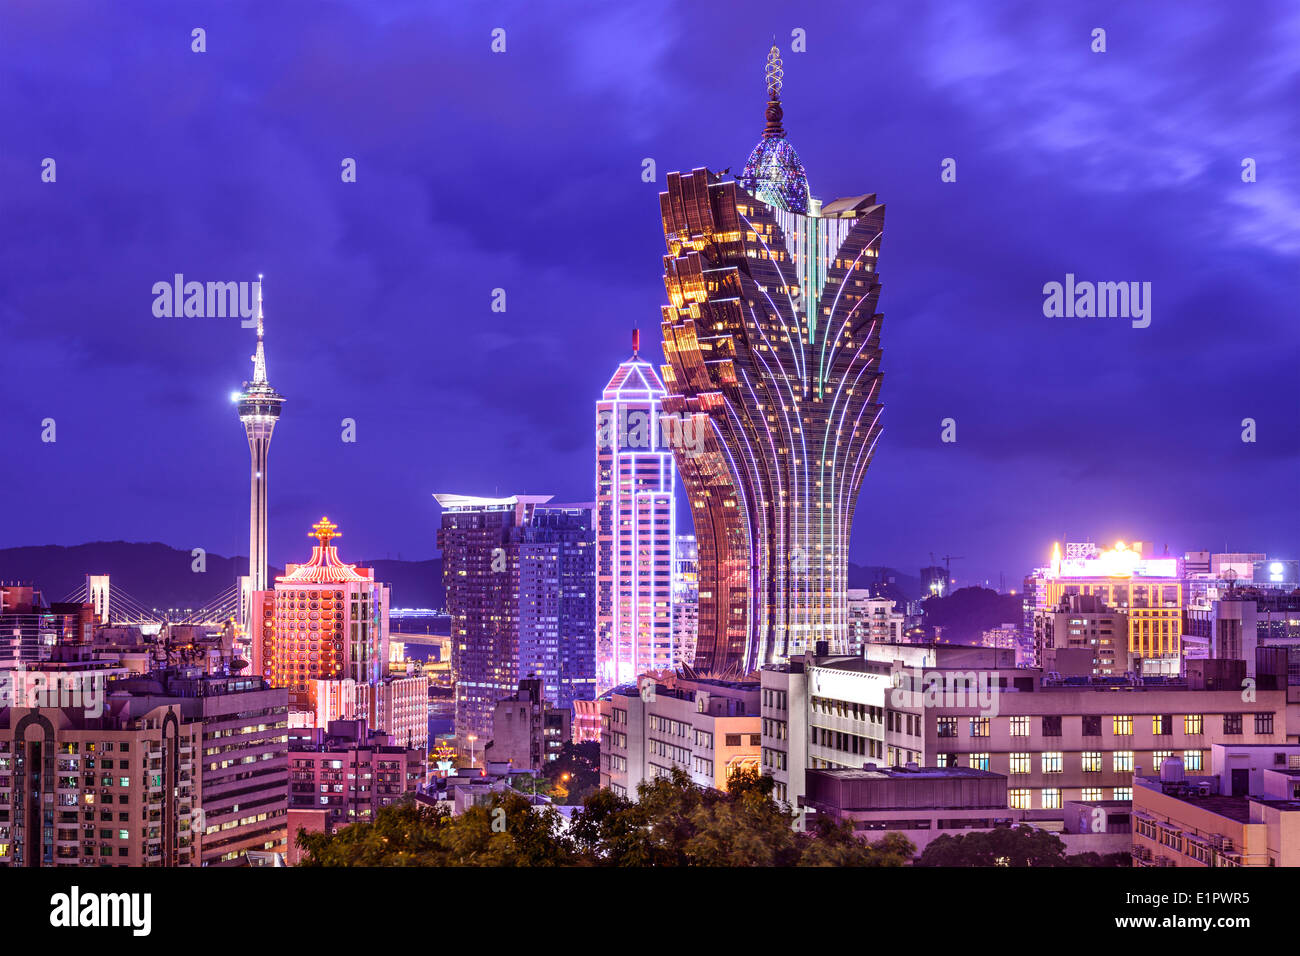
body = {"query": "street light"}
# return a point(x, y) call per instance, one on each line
point(471, 739)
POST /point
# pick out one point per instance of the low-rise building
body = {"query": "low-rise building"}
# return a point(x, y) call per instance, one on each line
point(1055, 740)
point(351, 772)
point(527, 733)
point(921, 803)
point(1245, 812)
point(709, 728)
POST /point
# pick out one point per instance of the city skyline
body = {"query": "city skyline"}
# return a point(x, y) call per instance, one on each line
point(1058, 446)
point(963, 537)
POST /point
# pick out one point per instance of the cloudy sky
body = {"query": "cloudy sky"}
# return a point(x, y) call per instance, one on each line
point(522, 170)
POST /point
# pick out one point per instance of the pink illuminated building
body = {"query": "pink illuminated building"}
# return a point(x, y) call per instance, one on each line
point(635, 527)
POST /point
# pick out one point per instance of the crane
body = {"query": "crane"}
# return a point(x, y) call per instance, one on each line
point(947, 569)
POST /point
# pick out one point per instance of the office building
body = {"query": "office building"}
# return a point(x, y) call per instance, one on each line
point(636, 526)
point(1149, 590)
point(920, 803)
point(1055, 740)
point(1084, 636)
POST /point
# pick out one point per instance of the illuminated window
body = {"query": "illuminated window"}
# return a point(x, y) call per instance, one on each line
point(1052, 762)
point(1051, 799)
point(1092, 762)
point(1021, 763)
point(1192, 759)
point(1018, 799)
point(1123, 726)
point(1020, 727)
point(1122, 761)
point(1193, 724)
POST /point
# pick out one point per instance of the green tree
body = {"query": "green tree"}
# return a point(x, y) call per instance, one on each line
point(1003, 846)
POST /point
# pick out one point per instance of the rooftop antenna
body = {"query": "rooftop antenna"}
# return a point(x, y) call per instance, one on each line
point(259, 358)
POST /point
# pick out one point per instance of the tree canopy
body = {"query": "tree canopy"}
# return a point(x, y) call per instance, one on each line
point(1005, 846)
point(673, 822)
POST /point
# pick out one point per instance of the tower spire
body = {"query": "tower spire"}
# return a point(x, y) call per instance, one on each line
point(775, 73)
point(636, 342)
point(259, 359)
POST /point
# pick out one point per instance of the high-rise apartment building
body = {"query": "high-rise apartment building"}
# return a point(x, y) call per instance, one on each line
point(771, 336)
point(871, 619)
point(557, 602)
point(242, 742)
point(479, 539)
point(179, 768)
point(636, 526)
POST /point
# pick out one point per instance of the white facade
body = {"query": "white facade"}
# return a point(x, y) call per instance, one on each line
point(635, 530)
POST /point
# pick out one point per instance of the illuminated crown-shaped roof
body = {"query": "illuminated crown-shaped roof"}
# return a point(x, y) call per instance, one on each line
point(324, 566)
point(635, 379)
point(773, 173)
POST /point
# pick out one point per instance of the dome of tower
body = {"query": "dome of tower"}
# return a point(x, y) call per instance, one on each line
point(773, 173)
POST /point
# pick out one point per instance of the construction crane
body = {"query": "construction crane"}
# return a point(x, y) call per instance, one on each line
point(947, 569)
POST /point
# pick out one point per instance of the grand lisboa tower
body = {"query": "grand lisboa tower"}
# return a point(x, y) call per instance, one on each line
point(772, 344)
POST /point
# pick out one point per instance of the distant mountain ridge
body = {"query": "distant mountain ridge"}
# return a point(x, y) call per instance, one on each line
point(158, 575)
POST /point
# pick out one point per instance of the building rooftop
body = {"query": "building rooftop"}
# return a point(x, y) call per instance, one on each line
point(871, 772)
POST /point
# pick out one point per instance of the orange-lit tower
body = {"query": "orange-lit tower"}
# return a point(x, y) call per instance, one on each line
point(325, 620)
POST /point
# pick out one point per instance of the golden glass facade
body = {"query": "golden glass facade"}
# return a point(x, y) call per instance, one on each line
point(771, 335)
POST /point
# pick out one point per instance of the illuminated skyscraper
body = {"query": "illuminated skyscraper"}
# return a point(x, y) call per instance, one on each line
point(480, 541)
point(325, 621)
point(686, 600)
point(259, 410)
point(635, 527)
point(557, 603)
point(771, 336)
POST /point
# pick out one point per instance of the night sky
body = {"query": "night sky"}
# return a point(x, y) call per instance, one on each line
point(522, 171)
